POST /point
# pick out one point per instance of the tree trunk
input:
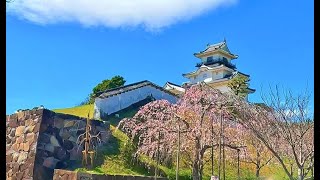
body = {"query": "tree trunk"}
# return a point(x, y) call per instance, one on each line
point(257, 172)
point(196, 161)
point(195, 171)
point(300, 170)
point(300, 173)
point(258, 165)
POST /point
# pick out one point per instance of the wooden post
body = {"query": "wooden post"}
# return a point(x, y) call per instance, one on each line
point(86, 145)
point(91, 153)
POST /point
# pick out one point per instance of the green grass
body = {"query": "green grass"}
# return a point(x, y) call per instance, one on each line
point(81, 111)
point(123, 114)
point(114, 158)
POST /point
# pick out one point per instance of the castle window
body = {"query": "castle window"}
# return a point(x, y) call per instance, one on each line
point(209, 59)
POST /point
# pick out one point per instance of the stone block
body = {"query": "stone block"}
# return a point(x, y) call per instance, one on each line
point(37, 128)
point(72, 139)
point(64, 133)
point(20, 139)
point(74, 154)
point(29, 129)
point(19, 130)
point(68, 124)
point(54, 141)
point(60, 153)
point(44, 138)
point(21, 146)
point(15, 147)
point(50, 162)
point(30, 137)
point(58, 123)
point(9, 158)
point(22, 157)
point(26, 147)
point(9, 173)
point(15, 157)
point(8, 140)
point(12, 132)
point(13, 123)
point(68, 145)
point(49, 147)
point(23, 167)
point(29, 122)
point(15, 168)
point(19, 175)
point(20, 115)
point(8, 148)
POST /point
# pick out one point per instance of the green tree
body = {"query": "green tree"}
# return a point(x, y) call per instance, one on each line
point(106, 84)
point(239, 85)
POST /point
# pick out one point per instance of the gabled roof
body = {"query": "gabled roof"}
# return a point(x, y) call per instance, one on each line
point(221, 46)
point(170, 83)
point(130, 87)
point(171, 86)
point(238, 72)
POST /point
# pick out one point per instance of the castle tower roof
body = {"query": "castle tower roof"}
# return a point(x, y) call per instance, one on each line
point(217, 48)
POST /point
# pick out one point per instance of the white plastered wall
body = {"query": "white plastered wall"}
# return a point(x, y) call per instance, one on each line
point(115, 103)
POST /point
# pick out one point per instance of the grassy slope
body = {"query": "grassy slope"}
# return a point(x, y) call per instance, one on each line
point(81, 111)
point(114, 155)
point(113, 161)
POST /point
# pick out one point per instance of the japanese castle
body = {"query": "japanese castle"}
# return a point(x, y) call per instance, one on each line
point(215, 69)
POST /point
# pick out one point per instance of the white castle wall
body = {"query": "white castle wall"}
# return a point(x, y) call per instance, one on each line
point(115, 103)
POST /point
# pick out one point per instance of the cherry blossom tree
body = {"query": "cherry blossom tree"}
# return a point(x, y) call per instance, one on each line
point(156, 125)
point(255, 153)
point(284, 126)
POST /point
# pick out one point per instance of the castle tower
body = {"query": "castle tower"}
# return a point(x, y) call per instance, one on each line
point(216, 69)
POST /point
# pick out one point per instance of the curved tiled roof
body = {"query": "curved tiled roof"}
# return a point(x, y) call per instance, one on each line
point(129, 87)
point(173, 84)
point(218, 46)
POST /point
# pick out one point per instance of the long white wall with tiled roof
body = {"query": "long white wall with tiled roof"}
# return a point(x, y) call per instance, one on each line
point(115, 103)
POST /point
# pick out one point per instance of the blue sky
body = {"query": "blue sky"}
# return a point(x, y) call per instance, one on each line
point(56, 53)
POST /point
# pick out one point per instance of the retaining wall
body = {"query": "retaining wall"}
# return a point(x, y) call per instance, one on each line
point(38, 141)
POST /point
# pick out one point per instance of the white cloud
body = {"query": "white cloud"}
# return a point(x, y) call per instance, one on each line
point(151, 14)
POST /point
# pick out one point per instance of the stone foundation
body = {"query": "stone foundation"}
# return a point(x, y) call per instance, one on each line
point(38, 141)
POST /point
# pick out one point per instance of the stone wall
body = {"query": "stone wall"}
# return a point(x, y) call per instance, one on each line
point(38, 141)
point(22, 131)
point(60, 174)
